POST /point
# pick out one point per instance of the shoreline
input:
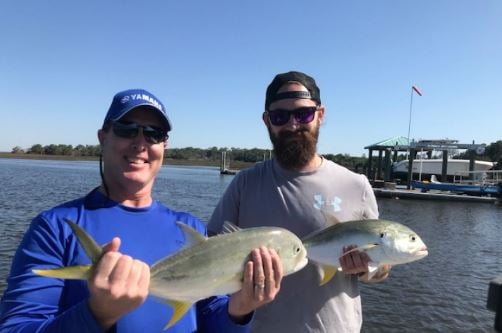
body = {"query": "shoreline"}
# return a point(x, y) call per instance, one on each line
point(235, 165)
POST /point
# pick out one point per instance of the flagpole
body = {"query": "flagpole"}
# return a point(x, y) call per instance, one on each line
point(409, 122)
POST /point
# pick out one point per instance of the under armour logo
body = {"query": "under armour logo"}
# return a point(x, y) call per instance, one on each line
point(336, 204)
point(320, 203)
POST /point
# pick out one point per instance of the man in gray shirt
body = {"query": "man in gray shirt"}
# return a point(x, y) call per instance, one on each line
point(294, 190)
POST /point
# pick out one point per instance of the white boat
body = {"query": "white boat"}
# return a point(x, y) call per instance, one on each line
point(434, 167)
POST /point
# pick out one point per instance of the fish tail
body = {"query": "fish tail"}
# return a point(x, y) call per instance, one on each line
point(91, 248)
point(72, 273)
point(328, 273)
point(179, 308)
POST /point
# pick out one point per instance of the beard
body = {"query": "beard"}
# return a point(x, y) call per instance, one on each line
point(294, 150)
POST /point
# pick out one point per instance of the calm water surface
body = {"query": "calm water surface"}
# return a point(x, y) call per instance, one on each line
point(445, 292)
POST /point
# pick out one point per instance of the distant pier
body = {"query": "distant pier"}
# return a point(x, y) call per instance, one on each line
point(396, 193)
point(224, 165)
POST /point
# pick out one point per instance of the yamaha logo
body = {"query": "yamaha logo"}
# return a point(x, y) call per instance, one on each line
point(142, 97)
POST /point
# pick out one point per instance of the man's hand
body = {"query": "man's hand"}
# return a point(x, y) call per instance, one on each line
point(262, 281)
point(380, 275)
point(356, 262)
point(119, 285)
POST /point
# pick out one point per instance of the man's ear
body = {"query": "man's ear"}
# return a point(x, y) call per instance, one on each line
point(101, 137)
point(320, 115)
point(265, 119)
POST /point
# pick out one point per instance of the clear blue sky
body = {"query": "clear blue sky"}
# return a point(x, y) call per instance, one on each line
point(210, 62)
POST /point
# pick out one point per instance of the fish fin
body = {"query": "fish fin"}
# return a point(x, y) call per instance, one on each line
point(372, 269)
point(93, 250)
point(330, 220)
point(229, 227)
point(329, 217)
point(366, 247)
point(361, 248)
point(179, 310)
point(72, 273)
point(327, 274)
point(192, 236)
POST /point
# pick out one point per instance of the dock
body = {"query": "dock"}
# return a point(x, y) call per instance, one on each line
point(224, 165)
point(397, 193)
point(228, 172)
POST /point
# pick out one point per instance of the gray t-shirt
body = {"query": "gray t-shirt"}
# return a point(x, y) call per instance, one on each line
point(267, 195)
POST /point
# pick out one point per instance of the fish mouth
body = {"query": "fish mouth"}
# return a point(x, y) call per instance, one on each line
point(301, 264)
point(422, 253)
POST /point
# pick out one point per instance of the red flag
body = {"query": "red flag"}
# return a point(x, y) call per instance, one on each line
point(417, 91)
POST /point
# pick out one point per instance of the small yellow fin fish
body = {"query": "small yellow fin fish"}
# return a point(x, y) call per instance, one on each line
point(202, 268)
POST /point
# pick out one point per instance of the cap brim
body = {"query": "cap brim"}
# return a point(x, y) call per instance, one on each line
point(167, 122)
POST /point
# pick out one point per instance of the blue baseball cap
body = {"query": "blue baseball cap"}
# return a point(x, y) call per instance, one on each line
point(130, 99)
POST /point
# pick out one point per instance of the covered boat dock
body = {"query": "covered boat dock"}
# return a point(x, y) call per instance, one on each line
point(382, 172)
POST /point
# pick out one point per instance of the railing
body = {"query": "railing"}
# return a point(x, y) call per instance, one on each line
point(490, 177)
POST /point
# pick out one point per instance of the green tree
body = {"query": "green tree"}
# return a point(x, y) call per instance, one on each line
point(494, 151)
point(17, 150)
point(66, 150)
point(79, 150)
point(36, 149)
point(51, 149)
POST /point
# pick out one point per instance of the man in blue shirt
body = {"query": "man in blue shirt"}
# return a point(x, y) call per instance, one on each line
point(122, 214)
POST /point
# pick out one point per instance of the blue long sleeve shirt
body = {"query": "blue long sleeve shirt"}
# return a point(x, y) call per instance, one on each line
point(33, 303)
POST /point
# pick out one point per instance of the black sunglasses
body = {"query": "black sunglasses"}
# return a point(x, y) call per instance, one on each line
point(129, 130)
point(303, 115)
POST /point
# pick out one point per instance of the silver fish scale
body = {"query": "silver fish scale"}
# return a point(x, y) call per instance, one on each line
point(367, 227)
point(385, 242)
point(216, 265)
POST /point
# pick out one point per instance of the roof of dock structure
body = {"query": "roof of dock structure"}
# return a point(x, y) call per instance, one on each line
point(397, 141)
point(401, 143)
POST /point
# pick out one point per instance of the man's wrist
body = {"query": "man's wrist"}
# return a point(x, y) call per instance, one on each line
point(241, 319)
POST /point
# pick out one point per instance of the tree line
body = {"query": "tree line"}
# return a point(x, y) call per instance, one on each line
point(212, 154)
point(60, 150)
point(189, 153)
point(493, 153)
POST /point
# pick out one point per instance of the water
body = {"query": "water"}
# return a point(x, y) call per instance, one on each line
point(445, 292)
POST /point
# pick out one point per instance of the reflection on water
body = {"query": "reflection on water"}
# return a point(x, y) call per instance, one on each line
point(445, 292)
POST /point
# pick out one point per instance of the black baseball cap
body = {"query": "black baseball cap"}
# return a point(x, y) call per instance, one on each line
point(279, 80)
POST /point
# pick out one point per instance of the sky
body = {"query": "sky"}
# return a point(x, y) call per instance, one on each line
point(210, 62)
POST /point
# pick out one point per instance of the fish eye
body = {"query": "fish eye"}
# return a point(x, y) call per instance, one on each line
point(413, 238)
point(297, 249)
